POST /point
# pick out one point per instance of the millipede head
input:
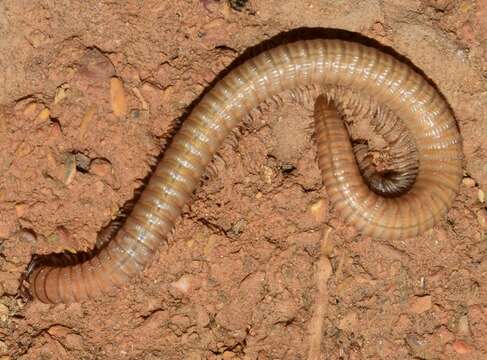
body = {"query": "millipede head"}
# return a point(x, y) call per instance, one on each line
point(25, 292)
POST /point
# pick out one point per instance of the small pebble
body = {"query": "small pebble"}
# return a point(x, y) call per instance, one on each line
point(481, 196)
point(444, 335)
point(416, 343)
point(421, 304)
point(202, 317)
point(482, 219)
point(181, 321)
point(227, 10)
point(82, 162)
point(43, 116)
point(31, 110)
point(58, 331)
point(21, 209)
point(118, 97)
point(69, 168)
point(228, 355)
point(238, 227)
point(61, 167)
point(461, 347)
point(101, 167)
point(26, 235)
point(3, 312)
point(183, 284)
point(37, 38)
point(9, 282)
point(61, 93)
point(86, 121)
point(94, 65)
point(155, 320)
point(74, 341)
point(135, 114)
point(441, 4)
point(468, 182)
point(23, 150)
point(319, 210)
point(267, 174)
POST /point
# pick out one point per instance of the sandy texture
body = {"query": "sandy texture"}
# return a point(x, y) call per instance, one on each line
point(90, 92)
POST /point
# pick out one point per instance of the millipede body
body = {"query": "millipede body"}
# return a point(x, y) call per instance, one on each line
point(432, 180)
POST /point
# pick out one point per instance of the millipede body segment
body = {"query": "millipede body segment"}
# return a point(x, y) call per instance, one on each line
point(321, 63)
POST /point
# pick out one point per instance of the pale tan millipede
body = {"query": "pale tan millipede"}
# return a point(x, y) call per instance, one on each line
point(361, 69)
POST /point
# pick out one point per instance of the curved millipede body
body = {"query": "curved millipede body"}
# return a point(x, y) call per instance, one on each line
point(361, 69)
point(400, 175)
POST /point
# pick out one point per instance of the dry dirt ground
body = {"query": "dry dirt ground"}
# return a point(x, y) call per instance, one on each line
point(252, 271)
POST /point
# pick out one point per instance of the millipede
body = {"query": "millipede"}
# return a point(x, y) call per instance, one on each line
point(412, 200)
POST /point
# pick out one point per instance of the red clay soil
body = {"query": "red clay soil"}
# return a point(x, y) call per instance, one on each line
point(259, 267)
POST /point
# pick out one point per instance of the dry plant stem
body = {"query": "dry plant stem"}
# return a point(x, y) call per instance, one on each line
point(323, 273)
point(304, 63)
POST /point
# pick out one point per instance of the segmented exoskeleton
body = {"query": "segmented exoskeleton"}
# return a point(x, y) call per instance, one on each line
point(361, 69)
